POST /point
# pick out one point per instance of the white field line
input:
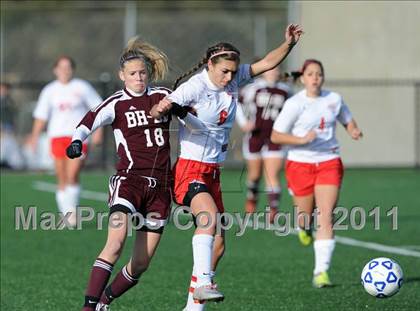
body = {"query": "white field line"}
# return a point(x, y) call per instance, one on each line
point(85, 194)
point(103, 197)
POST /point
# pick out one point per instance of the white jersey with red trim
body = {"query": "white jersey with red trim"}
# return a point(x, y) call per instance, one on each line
point(301, 113)
point(215, 108)
point(64, 105)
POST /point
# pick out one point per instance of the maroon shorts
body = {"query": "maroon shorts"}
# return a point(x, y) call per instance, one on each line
point(258, 146)
point(133, 193)
point(188, 172)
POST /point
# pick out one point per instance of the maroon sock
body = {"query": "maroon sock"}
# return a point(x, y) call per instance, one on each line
point(273, 198)
point(122, 283)
point(252, 189)
point(99, 277)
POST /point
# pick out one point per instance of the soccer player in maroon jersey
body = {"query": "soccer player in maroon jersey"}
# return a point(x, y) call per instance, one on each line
point(142, 181)
point(260, 103)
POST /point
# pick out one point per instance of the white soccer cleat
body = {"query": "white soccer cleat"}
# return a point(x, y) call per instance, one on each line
point(208, 293)
point(102, 307)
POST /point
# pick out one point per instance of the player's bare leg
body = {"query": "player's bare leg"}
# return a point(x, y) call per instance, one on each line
point(144, 248)
point(218, 249)
point(117, 233)
point(326, 197)
point(103, 266)
point(272, 167)
point(305, 207)
point(254, 167)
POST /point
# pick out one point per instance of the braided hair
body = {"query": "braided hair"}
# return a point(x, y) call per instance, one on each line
point(155, 60)
point(214, 54)
point(294, 75)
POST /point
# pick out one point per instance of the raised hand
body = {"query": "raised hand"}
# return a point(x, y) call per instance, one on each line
point(293, 33)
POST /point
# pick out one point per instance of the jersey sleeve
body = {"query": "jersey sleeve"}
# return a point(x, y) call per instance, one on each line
point(186, 94)
point(92, 98)
point(344, 115)
point(243, 76)
point(287, 117)
point(240, 117)
point(43, 109)
point(103, 115)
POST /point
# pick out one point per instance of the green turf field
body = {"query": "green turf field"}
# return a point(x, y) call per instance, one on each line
point(48, 270)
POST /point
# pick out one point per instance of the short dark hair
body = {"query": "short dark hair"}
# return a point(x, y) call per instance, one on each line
point(70, 59)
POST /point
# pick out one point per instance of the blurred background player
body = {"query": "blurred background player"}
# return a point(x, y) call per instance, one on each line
point(142, 182)
point(62, 104)
point(11, 155)
point(260, 103)
point(212, 95)
point(314, 170)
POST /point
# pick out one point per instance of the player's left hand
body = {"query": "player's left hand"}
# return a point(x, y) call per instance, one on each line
point(356, 134)
point(293, 33)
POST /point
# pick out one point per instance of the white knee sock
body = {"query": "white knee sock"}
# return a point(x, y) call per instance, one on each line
point(191, 304)
point(323, 253)
point(73, 195)
point(61, 198)
point(202, 252)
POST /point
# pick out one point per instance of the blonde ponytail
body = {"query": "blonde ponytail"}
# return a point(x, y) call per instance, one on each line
point(155, 60)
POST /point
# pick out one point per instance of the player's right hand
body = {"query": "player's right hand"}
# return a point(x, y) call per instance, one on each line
point(309, 137)
point(164, 106)
point(74, 150)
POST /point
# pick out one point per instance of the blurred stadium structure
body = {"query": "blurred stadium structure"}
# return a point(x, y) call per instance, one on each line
point(370, 59)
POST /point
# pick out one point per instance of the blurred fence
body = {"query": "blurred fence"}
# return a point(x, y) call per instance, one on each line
point(94, 33)
point(34, 33)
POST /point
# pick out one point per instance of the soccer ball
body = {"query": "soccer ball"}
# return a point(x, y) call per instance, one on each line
point(382, 277)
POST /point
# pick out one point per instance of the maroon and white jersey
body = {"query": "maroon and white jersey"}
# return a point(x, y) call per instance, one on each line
point(142, 142)
point(261, 103)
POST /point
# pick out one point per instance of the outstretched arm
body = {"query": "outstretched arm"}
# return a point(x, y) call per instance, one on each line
point(91, 122)
point(276, 56)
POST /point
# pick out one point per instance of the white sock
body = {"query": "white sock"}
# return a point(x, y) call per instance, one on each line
point(73, 195)
point(202, 252)
point(323, 253)
point(61, 198)
point(191, 304)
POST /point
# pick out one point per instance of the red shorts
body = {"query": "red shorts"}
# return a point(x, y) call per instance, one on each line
point(190, 171)
point(132, 193)
point(60, 144)
point(302, 177)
